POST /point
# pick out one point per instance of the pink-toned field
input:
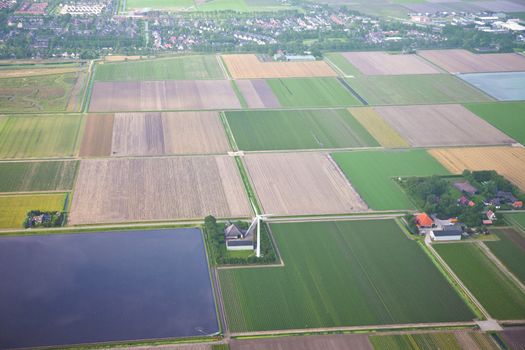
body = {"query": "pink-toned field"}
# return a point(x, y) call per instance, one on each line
point(146, 189)
point(441, 125)
point(301, 184)
point(382, 63)
point(258, 93)
point(158, 133)
point(250, 67)
point(463, 61)
point(123, 96)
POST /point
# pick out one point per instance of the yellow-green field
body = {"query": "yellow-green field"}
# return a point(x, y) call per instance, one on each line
point(13, 209)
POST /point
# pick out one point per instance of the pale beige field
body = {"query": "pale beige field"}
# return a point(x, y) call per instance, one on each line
point(377, 127)
point(122, 96)
point(441, 125)
point(301, 184)
point(382, 63)
point(27, 72)
point(507, 161)
point(463, 61)
point(149, 189)
point(250, 67)
point(168, 133)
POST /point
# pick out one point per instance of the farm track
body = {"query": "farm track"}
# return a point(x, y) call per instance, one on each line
point(500, 266)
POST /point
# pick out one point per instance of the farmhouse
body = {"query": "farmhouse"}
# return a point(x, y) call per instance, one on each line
point(237, 238)
point(424, 221)
point(447, 233)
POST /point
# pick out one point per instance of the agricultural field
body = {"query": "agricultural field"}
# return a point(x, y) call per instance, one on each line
point(96, 140)
point(501, 86)
point(433, 341)
point(37, 176)
point(248, 66)
point(14, 208)
point(15, 71)
point(39, 136)
point(340, 274)
point(507, 161)
point(159, 4)
point(378, 128)
point(382, 63)
point(415, 89)
point(514, 337)
point(463, 61)
point(257, 93)
point(510, 250)
point(301, 129)
point(175, 68)
point(301, 184)
point(40, 93)
point(502, 299)
point(123, 96)
point(516, 219)
point(509, 117)
point(310, 342)
point(168, 133)
point(312, 92)
point(373, 174)
point(131, 190)
point(441, 125)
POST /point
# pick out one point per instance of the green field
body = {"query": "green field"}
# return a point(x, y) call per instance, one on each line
point(36, 93)
point(39, 136)
point(312, 92)
point(407, 89)
point(175, 68)
point(13, 209)
point(37, 176)
point(429, 341)
point(340, 274)
point(305, 129)
point(159, 4)
point(500, 297)
point(517, 219)
point(510, 250)
point(372, 174)
point(509, 117)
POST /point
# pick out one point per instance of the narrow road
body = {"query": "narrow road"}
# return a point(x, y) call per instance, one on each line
point(500, 265)
point(354, 328)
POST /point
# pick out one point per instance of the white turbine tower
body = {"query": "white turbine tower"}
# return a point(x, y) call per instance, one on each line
point(257, 222)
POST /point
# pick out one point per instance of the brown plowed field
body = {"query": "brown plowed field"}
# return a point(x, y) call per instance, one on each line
point(507, 161)
point(301, 184)
point(514, 337)
point(168, 133)
point(463, 61)
point(441, 125)
point(382, 63)
point(258, 93)
point(160, 95)
point(250, 67)
point(96, 141)
point(129, 190)
point(312, 342)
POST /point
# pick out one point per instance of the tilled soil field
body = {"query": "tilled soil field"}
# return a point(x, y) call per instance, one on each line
point(250, 67)
point(382, 63)
point(302, 184)
point(130, 190)
point(463, 61)
point(161, 95)
point(258, 93)
point(96, 141)
point(441, 125)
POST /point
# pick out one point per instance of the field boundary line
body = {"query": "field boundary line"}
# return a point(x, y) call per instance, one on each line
point(488, 253)
point(336, 68)
point(371, 328)
point(229, 132)
point(225, 71)
point(249, 188)
point(460, 286)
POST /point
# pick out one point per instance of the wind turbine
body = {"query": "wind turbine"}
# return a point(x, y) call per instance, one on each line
point(257, 221)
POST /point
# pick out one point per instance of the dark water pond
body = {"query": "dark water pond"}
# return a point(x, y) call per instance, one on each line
point(104, 286)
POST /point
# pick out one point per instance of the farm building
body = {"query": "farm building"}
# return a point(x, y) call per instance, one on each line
point(424, 221)
point(237, 238)
point(447, 233)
